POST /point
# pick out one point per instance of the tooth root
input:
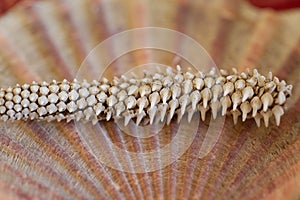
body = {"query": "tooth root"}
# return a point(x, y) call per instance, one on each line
point(266, 116)
point(277, 112)
point(267, 100)
point(206, 96)
point(203, 111)
point(140, 116)
point(246, 108)
point(173, 105)
point(247, 93)
point(257, 118)
point(163, 110)
point(214, 108)
point(226, 103)
point(235, 115)
point(195, 98)
point(151, 113)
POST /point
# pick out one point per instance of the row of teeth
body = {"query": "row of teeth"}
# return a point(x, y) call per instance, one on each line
point(154, 97)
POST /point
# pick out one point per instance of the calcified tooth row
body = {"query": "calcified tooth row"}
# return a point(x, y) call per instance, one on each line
point(154, 97)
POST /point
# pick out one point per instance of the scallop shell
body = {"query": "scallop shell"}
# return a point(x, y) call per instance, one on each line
point(47, 40)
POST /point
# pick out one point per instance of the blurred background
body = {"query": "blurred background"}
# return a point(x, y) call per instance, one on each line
point(46, 40)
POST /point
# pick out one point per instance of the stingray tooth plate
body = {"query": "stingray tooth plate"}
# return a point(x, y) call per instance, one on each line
point(159, 95)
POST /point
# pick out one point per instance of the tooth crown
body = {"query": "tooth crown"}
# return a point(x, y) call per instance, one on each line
point(149, 99)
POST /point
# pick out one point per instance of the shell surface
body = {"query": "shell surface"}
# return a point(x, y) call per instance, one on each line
point(53, 161)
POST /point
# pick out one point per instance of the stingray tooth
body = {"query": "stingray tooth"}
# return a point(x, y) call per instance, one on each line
point(156, 85)
point(266, 115)
point(280, 98)
point(220, 80)
point(142, 103)
point(191, 112)
point(154, 99)
point(277, 112)
point(183, 101)
point(176, 91)
point(267, 100)
point(132, 90)
point(144, 90)
point(198, 83)
point(247, 93)
point(206, 96)
point(173, 104)
point(163, 110)
point(223, 72)
point(152, 112)
point(203, 111)
point(128, 115)
point(119, 107)
point(111, 100)
point(102, 96)
point(209, 82)
point(226, 103)
point(217, 91)
point(165, 95)
point(187, 86)
point(98, 108)
point(234, 70)
point(239, 84)
point(130, 102)
point(228, 88)
point(256, 104)
point(257, 118)
point(195, 97)
point(236, 99)
point(245, 108)
point(167, 81)
point(139, 117)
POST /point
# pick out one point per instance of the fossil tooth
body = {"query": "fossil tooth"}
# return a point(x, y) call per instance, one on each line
point(146, 97)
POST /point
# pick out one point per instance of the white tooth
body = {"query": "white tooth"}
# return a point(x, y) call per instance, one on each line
point(234, 70)
point(119, 107)
point(206, 96)
point(144, 90)
point(277, 112)
point(247, 93)
point(111, 100)
point(226, 103)
point(195, 98)
point(239, 84)
point(130, 102)
point(236, 99)
point(167, 81)
point(151, 112)
point(217, 92)
point(228, 88)
point(132, 90)
point(176, 91)
point(173, 104)
point(128, 115)
point(140, 116)
point(203, 111)
point(209, 82)
point(223, 72)
point(214, 108)
point(142, 103)
point(183, 101)
point(109, 114)
point(246, 108)
point(198, 83)
point(163, 110)
point(187, 86)
point(266, 116)
point(156, 85)
point(280, 98)
point(154, 99)
point(267, 101)
point(94, 121)
point(256, 104)
point(235, 115)
point(257, 118)
point(270, 76)
point(165, 95)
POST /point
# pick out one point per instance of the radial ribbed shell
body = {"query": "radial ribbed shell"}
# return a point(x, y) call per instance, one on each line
point(47, 40)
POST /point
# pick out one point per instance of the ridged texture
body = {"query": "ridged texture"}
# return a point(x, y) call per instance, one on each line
point(41, 160)
point(154, 97)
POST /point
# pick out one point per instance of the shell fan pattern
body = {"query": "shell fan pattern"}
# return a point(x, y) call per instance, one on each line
point(155, 97)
